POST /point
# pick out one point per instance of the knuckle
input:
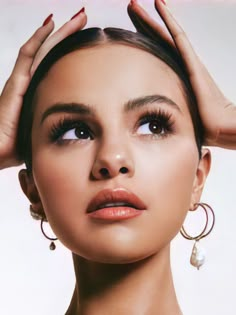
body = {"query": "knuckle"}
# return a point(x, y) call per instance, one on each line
point(26, 49)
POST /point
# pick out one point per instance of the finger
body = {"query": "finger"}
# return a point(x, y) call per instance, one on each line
point(29, 50)
point(67, 29)
point(146, 25)
point(18, 81)
point(190, 58)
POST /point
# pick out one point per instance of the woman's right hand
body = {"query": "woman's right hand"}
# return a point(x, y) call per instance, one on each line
point(30, 55)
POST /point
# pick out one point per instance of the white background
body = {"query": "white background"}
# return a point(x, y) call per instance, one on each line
point(36, 281)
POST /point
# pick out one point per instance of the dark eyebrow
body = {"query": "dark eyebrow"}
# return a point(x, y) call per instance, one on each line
point(149, 99)
point(77, 108)
point(84, 109)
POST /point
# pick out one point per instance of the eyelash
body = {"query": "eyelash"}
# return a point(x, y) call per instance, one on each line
point(65, 124)
point(164, 119)
point(62, 126)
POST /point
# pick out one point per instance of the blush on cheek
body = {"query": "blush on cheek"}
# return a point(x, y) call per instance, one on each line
point(171, 179)
point(183, 174)
point(59, 182)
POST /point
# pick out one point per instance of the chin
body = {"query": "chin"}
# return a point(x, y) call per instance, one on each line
point(116, 255)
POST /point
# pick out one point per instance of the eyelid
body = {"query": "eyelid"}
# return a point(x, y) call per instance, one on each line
point(156, 113)
point(65, 124)
point(163, 118)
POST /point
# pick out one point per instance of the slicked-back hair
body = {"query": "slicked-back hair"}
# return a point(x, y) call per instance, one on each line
point(92, 37)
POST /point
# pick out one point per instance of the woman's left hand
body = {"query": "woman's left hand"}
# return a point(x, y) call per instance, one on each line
point(218, 114)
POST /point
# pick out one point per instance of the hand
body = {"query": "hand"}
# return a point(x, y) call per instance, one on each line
point(217, 113)
point(30, 55)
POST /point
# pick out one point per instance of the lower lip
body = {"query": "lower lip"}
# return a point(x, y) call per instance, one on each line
point(115, 213)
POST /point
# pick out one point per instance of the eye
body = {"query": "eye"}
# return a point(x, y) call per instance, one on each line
point(152, 127)
point(70, 130)
point(80, 132)
point(155, 123)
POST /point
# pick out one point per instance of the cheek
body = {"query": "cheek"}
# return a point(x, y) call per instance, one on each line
point(168, 174)
point(164, 176)
point(61, 180)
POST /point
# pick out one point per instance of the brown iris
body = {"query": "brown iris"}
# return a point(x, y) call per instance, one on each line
point(154, 127)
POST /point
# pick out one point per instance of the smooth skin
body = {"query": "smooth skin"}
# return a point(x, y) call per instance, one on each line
point(132, 283)
point(218, 114)
point(30, 55)
point(163, 170)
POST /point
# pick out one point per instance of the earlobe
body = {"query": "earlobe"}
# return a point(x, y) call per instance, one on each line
point(201, 175)
point(30, 190)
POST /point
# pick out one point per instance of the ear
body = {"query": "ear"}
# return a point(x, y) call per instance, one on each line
point(30, 190)
point(201, 176)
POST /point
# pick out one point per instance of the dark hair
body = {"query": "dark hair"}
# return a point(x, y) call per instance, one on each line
point(92, 37)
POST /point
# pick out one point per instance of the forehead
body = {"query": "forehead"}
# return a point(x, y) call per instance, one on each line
point(108, 74)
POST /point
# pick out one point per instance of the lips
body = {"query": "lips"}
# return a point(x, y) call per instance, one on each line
point(115, 198)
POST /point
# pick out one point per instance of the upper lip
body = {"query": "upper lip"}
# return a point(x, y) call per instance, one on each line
point(115, 195)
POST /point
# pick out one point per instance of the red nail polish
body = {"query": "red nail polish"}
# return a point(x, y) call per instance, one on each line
point(48, 19)
point(133, 2)
point(74, 16)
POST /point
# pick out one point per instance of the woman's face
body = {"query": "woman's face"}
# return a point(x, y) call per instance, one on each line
point(117, 126)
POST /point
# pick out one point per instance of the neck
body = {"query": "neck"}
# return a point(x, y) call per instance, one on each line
point(143, 287)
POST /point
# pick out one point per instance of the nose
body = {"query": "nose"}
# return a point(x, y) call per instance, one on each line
point(112, 159)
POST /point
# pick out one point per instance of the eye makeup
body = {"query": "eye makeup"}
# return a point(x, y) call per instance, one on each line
point(159, 120)
point(65, 124)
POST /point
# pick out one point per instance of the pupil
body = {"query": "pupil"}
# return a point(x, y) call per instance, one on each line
point(154, 127)
point(81, 133)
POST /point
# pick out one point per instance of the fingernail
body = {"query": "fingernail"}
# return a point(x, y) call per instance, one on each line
point(163, 1)
point(48, 19)
point(74, 16)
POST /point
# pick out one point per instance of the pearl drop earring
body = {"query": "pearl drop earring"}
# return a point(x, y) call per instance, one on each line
point(198, 255)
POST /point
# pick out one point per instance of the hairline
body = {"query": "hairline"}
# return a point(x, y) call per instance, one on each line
point(112, 36)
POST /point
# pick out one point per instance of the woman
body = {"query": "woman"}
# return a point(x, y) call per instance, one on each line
point(137, 275)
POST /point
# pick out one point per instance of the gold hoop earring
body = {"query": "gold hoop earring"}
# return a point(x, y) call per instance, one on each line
point(198, 257)
point(52, 246)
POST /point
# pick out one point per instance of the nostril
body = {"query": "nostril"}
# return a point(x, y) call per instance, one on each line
point(103, 171)
point(123, 170)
